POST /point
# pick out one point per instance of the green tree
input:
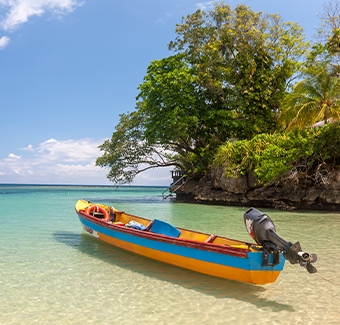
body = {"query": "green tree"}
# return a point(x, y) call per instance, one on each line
point(168, 128)
point(227, 80)
point(327, 48)
point(313, 99)
point(329, 23)
point(129, 153)
point(180, 116)
point(244, 61)
point(173, 107)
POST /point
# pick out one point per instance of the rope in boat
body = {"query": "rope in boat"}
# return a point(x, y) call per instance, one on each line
point(337, 284)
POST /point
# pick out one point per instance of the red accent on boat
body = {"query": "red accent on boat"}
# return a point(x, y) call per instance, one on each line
point(228, 250)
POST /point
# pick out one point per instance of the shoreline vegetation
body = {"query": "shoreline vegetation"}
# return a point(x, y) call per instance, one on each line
point(245, 96)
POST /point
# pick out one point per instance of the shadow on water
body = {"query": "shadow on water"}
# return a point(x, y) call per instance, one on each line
point(219, 288)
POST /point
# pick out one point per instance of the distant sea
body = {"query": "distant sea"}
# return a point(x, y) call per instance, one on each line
point(75, 185)
point(51, 272)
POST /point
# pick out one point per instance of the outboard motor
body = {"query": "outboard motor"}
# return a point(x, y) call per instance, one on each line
point(262, 229)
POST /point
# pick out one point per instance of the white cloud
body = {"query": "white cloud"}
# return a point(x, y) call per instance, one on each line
point(69, 150)
point(53, 161)
point(90, 169)
point(12, 155)
point(160, 176)
point(19, 11)
point(29, 148)
point(160, 21)
point(66, 162)
point(4, 40)
point(163, 20)
point(205, 5)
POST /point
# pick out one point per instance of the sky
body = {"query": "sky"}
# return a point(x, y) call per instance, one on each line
point(68, 68)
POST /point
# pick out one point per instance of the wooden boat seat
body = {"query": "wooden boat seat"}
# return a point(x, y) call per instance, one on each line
point(148, 227)
point(193, 235)
point(98, 215)
point(211, 239)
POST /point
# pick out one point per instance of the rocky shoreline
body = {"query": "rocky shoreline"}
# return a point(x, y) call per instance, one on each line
point(219, 189)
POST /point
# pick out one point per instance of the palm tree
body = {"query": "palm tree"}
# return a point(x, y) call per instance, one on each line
point(312, 100)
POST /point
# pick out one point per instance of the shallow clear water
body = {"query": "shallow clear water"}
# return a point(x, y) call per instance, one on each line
point(53, 273)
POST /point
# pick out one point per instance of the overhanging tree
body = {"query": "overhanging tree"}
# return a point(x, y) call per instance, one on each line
point(180, 115)
point(129, 152)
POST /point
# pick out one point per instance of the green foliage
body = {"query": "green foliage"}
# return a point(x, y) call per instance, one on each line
point(177, 115)
point(241, 156)
point(170, 100)
point(328, 144)
point(316, 97)
point(313, 99)
point(294, 156)
point(278, 159)
point(244, 62)
point(328, 31)
point(333, 44)
point(228, 80)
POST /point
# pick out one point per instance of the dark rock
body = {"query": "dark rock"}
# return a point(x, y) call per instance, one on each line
point(334, 180)
point(235, 184)
point(252, 180)
point(216, 176)
point(216, 188)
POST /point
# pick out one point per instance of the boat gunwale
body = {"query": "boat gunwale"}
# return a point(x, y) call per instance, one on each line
point(217, 248)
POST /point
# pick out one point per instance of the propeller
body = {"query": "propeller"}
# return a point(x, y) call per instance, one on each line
point(310, 268)
point(294, 255)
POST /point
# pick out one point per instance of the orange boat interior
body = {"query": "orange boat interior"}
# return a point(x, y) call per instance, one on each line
point(121, 218)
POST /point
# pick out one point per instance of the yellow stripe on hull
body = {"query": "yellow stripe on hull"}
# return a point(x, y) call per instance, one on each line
point(222, 271)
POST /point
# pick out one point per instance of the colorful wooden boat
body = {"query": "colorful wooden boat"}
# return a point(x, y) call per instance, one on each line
point(205, 253)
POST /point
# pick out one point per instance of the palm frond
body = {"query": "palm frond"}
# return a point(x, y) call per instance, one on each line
point(313, 99)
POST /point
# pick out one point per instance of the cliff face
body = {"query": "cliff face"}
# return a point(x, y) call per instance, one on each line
point(216, 188)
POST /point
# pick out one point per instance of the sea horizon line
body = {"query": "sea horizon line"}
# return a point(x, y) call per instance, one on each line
point(79, 185)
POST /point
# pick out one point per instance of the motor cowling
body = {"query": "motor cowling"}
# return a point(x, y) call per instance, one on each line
point(258, 225)
point(262, 229)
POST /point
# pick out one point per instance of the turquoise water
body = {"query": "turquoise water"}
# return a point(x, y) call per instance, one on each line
point(53, 273)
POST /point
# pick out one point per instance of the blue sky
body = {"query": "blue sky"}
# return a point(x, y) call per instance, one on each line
point(68, 68)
